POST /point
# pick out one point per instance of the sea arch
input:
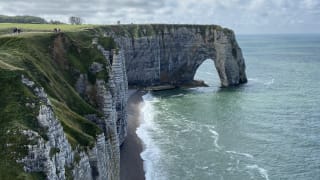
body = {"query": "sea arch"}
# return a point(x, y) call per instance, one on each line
point(207, 74)
point(171, 54)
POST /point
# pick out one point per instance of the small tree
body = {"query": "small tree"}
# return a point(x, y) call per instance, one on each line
point(75, 20)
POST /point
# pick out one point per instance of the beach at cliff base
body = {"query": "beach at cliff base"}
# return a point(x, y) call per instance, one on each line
point(131, 164)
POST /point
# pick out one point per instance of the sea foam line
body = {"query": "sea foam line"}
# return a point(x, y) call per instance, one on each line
point(151, 153)
point(215, 136)
point(269, 82)
point(242, 154)
point(262, 172)
point(264, 82)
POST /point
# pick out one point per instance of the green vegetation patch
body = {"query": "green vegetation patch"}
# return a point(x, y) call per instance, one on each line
point(16, 116)
point(53, 151)
point(79, 130)
point(108, 43)
point(35, 55)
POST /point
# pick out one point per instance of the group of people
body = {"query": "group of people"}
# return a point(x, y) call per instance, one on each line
point(16, 30)
point(57, 30)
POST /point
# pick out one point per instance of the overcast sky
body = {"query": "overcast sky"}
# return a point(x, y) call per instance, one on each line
point(243, 16)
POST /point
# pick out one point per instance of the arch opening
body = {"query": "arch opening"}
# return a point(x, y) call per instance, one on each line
point(207, 73)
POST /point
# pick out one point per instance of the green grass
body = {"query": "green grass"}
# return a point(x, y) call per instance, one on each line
point(15, 116)
point(79, 130)
point(34, 54)
point(108, 43)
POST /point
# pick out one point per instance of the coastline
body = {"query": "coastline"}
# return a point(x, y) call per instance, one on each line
point(131, 164)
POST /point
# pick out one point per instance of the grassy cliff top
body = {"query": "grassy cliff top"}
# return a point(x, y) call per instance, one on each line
point(122, 29)
point(139, 30)
point(53, 61)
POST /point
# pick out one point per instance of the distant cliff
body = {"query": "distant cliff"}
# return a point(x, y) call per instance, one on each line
point(171, 54)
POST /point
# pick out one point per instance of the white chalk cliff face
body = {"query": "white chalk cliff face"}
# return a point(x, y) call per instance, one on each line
point(171, 54)
point(55, 156)
point(52, 155)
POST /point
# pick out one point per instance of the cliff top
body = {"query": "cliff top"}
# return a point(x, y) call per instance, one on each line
point(7, 28)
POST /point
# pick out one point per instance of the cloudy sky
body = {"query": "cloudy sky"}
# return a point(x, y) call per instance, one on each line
point(244, 16)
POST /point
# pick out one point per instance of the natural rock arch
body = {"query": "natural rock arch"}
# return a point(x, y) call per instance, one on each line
point(184, 74)
point(207, 62)
point(171, 54)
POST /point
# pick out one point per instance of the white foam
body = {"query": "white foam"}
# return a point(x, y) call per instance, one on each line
point(151, 153)
point(253, 79)
point(242, 154)
point(262, 172)
point(269, 82)
point(215, 136)
point(264, 82)
point(178, 95)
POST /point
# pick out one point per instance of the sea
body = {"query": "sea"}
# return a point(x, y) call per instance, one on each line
point(266, 129)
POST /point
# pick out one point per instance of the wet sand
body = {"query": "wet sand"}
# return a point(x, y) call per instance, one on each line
point(131, 164)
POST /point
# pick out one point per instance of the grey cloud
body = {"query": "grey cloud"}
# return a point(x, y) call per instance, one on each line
point(242, 15)
point(77, 7)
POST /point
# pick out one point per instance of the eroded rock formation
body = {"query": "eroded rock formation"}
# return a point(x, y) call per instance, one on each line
point(171, 54)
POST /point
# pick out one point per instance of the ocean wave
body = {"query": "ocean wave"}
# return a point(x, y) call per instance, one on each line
point(264, 82)
point(151, 153)
point(241, 154)
point(215, 136)
point(178, 95)
point(269, 82)
point(262, 172)
point(253, 79)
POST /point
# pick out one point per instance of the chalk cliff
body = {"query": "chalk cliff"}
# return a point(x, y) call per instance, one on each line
point(55, 155)
point(171, 54)
point(74, 94)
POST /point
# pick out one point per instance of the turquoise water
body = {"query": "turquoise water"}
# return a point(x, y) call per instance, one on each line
point(266, 129)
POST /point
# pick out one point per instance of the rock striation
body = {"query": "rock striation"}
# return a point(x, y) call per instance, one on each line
point(171, 54)
point(49, 156)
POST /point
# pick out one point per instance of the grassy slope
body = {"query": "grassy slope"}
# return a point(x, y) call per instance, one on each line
point(14, 115)
point(39, 57)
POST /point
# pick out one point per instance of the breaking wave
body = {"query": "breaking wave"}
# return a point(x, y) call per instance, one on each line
point(151, 153)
